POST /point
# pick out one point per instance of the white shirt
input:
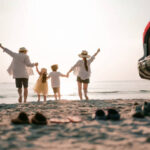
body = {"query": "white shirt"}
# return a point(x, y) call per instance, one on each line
point(19, 67)
point(55, 79)
point(80, 71)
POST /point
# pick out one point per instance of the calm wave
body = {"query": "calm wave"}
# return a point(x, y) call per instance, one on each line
point(97, 90)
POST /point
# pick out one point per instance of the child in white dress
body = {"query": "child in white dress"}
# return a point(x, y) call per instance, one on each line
point(55, 81)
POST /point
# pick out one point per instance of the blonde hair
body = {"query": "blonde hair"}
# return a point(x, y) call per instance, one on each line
point(54, 67)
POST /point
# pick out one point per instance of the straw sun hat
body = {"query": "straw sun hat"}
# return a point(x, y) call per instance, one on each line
point(84, 54)
point(23, 49)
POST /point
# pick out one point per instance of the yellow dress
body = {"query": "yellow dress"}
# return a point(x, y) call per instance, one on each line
point(40, 87)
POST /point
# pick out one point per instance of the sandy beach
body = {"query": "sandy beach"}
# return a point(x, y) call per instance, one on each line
point(128, 133)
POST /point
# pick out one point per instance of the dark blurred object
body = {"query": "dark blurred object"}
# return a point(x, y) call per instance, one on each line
point(144, 62)
point(21, 119)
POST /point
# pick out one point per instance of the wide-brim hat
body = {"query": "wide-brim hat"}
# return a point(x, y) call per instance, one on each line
point(84, 54)
point(23, 49)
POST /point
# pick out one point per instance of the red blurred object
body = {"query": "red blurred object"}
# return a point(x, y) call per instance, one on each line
point(145, 31)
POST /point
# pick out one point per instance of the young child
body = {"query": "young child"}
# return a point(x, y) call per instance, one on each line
point(55, 81)
point(41, 86)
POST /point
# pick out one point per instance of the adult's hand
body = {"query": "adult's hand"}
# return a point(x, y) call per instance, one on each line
point(98, 50)
point(0, 45)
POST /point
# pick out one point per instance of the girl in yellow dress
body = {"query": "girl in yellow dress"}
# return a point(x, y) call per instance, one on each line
point(41, 86)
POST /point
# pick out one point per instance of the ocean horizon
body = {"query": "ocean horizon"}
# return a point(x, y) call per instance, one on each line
point(98, 90)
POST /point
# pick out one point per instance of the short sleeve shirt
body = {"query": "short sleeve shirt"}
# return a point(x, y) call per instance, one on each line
point(55, 79)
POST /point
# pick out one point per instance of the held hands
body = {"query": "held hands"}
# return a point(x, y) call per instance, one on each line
point(67, 74)
point(36, 64)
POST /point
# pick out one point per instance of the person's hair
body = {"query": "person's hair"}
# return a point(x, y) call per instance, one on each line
point(54, 67)
point(44, 76)
point(85, 64)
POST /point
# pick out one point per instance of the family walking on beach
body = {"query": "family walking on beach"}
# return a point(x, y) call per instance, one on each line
point(21, 69)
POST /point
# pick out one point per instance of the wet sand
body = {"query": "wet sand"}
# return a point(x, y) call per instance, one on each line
point(127, 134)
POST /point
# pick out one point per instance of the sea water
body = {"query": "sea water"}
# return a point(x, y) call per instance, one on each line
point(98, 90)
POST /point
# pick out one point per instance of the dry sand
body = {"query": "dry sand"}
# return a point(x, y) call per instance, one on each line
point(127, 134)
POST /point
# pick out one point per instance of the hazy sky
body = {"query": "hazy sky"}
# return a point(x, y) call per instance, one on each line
point(56, 31)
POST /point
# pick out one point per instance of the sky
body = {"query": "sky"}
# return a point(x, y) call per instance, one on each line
point(56, 31)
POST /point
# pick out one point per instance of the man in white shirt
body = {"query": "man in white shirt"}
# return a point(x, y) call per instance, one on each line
point(20, 68)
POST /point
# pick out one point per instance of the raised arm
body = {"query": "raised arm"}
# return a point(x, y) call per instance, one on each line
point(98, 50)
point(93, 57)
point(9, 52)
point(37, 69)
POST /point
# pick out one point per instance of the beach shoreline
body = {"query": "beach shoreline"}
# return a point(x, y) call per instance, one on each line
point(128, 133)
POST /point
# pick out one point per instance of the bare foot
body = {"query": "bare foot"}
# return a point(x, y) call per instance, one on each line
point(87, 98)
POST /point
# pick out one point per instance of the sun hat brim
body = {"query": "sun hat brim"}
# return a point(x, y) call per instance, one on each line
point(23, 49)
point(84, 56)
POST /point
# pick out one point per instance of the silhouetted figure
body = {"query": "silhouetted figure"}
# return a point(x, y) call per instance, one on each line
point(82, 71)
point(20, 68)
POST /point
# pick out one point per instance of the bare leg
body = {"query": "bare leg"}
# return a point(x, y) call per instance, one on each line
point(85, 86)
point(80, 90)
point(44, 98)
point(25, 94)
point(59, 96)
point(20, 95)
point(38, 97)
point(55, 95)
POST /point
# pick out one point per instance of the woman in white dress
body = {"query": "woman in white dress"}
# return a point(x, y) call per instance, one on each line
point(83, 71)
